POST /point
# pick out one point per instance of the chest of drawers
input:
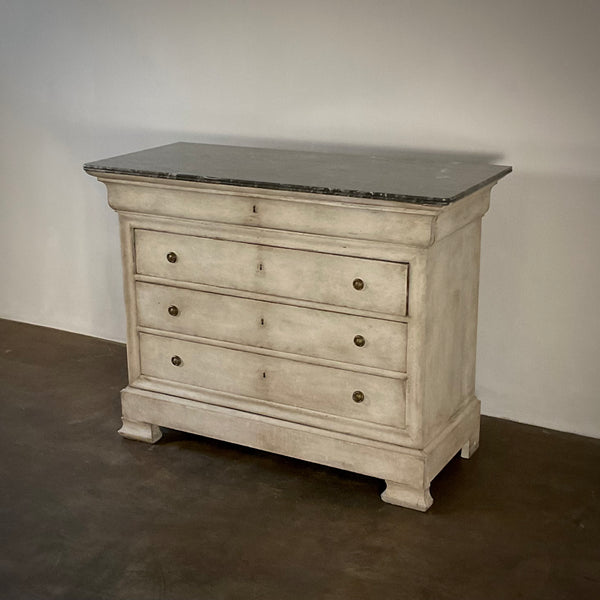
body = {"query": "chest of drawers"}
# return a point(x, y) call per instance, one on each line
point(319, 306)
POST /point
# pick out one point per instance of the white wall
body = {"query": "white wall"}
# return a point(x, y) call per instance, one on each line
point(516, 80)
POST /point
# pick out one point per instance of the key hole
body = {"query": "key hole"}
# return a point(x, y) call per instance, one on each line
point(262, 321)
point(260, 266)
point(254, 209)
point(264, 375)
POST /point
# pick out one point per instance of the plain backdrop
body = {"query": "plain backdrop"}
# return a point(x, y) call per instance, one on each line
point(516, 82)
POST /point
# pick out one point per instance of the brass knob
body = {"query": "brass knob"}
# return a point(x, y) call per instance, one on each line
point(172, 257)
point(358, 396)
point(176, 360)
point(359, 340)
point(358, 284)
point(174, 311)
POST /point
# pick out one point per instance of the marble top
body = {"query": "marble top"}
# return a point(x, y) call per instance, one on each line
point(416, 178)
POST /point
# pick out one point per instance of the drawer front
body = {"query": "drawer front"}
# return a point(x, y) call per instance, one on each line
point(325, 216)
point(322, 334)
point(318, 388)
point(374, 285)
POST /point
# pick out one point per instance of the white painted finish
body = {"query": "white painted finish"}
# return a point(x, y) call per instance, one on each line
point(283, 412)
point(285, 328)
point(450, 336)
point(354, 453)
point(313, 276)
point(319, 388)
point(354, 218)
point(418, 498)
point(398, 465)
point(261, 347)
point(141, 432)
point(337, 245)
point(93, 92)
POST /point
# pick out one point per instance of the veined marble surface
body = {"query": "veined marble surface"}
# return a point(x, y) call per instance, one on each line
point(418, 178)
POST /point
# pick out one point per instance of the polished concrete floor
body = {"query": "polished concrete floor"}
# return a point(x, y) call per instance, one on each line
point(85, 514)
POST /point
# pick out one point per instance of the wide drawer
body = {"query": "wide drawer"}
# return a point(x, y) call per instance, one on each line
point(323, 389)
point(373, 285)
point(285, 328)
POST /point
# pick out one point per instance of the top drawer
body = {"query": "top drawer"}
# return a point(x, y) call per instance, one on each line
point(373, 285)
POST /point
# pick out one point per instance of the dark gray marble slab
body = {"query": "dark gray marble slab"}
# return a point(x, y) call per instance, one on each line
point(418, 179)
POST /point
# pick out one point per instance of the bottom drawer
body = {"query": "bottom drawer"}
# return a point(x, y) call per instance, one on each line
point(324, 389)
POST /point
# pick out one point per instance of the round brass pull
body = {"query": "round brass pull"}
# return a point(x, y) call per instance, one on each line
point(358, 396)
point(359, 340)
point(174, 311)
point(176, 360)
point(358, 284)
point(172, 257)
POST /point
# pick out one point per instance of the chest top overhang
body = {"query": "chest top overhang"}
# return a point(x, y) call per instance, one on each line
point(416, 178)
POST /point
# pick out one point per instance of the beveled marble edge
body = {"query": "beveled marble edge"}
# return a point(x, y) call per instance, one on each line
point(97, 167)
point(424, 200)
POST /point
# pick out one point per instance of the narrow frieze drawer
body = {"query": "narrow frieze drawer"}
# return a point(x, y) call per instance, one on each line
point(374, 285)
